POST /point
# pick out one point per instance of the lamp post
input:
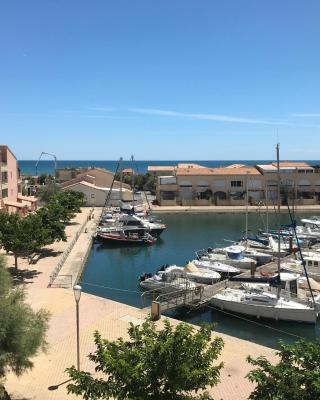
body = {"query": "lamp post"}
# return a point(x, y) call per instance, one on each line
point(77, 294)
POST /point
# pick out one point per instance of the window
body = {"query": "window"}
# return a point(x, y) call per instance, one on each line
point(92, 195)
point(4, 176)
point(236, 183)
point(316, 264)
point(168, 195)
point(206, 195)
point(4, 193)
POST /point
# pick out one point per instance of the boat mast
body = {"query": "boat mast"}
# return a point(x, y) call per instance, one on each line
point(278, 217)
point(247, 201)
point(121, 179)
point(132, 182)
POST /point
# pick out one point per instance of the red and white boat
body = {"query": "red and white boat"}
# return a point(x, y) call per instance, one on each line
point(122, 237)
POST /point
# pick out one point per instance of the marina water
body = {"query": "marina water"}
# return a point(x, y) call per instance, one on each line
point(113, 272)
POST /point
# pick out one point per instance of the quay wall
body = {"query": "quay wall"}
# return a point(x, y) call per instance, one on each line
point(229, 209)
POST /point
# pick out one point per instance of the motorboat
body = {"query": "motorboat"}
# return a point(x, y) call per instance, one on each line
point(165, 283)
point(125, 238)
point(233, 255)
point(260, 257)
point(312, 264)
point(190, 271)
point(223, 269)
point(134, 223)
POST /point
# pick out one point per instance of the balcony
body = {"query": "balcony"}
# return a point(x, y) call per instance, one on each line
point(4, 167)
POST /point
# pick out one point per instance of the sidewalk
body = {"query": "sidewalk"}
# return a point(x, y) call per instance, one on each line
point(112, 320)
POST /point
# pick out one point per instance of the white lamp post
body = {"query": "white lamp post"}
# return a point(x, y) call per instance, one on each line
point(77, 294)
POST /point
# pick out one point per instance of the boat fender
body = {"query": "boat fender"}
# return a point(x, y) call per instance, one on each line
point(197, 290)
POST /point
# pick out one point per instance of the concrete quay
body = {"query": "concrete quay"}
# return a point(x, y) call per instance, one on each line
point(110, 318)
point(229, 209)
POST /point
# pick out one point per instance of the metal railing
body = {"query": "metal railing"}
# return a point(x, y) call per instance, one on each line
point(65, 254)
point(63, 281)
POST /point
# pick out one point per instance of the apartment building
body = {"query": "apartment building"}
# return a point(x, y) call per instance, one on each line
point(11, 198)
point(194, 185)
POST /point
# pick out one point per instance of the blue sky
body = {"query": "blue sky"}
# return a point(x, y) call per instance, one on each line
point(165, 79)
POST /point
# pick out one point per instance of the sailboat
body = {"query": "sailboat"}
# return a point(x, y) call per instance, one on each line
point(266, 304)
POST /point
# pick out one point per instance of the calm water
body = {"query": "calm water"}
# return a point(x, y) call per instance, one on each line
point(113, 272)
point(29, 166)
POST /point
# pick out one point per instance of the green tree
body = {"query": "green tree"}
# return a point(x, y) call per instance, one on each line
point(296, 376)
point(22, 236)
point(69, 203)
point(52, 219)
point(43, 179)
point(47, 192)
point(168, 364)
point(22, 331)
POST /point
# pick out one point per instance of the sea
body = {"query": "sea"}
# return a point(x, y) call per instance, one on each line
point(28, 167)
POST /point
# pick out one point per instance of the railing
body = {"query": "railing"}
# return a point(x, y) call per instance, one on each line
point(65, 254)
point(191, 297)
point(63, 281)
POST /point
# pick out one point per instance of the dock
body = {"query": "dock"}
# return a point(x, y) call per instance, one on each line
point(192, 298)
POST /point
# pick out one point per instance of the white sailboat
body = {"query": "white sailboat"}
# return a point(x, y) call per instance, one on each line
point(263, 304)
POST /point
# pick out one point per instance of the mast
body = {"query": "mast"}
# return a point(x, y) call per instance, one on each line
point(121, 179)
point(278, 217)
point(247, 201)
point(132, 182)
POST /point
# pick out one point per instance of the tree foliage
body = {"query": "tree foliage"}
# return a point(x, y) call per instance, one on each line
point(141, 181)
point(296, 376)
point(46, 192)
point(66, 204)
point(169, 364)
point(22, 236)
point(22, 331)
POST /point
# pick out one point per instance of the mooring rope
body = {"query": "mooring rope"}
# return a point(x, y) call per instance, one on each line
point(256, 323)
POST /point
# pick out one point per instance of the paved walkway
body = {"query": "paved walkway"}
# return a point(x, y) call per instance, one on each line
point(111, 319)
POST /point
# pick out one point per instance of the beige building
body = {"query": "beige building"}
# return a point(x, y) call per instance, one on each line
point(11, 199)
point(161, 169)
point(194, 185)
point(95, 196)
point(97, 176)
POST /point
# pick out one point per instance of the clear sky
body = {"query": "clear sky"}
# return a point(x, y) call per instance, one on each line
point(166, 79)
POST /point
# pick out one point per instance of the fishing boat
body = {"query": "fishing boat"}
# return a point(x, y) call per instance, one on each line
point(125, 238)
point(267, 304)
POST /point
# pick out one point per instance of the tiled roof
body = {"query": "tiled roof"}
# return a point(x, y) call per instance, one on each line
point(161, 168)
point(217, 171)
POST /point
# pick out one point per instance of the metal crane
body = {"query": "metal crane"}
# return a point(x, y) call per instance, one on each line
point(55, 162)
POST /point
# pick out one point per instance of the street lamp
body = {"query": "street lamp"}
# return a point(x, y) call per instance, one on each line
point(77, 294)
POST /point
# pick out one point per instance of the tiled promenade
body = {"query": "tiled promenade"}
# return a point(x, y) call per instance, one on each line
point(111, 319)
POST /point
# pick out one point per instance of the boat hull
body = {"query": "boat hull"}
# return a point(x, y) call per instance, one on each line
point(109, 238)
point(308, 316)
